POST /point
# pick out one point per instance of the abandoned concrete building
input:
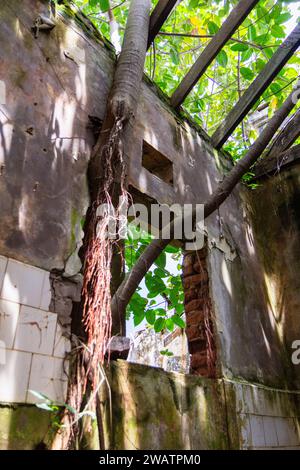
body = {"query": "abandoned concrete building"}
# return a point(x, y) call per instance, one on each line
point(245, 282)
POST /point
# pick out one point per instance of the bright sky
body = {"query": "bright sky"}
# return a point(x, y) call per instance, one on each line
point(294, 8)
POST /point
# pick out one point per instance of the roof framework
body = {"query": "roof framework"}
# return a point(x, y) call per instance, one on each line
point(255, 90)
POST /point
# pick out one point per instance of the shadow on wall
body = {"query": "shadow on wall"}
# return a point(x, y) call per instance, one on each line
point(47, 95)
point(276, 223)
point(45, 140)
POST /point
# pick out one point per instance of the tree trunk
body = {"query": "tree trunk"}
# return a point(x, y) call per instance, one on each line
point(107, 170)
point(107, 182)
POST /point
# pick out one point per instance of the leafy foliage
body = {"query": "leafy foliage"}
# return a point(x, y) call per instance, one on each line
point(184, 36)
point(163, 306)
point(56, 407)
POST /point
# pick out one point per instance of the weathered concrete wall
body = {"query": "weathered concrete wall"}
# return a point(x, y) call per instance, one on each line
point(154, 409)
point(274, 210)
point(25, 428)
point(52, 83)
point(147, 345)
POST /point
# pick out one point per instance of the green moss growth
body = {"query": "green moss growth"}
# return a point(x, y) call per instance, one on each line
point(25, 427)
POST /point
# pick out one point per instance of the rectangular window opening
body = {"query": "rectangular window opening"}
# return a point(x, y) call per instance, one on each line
point(157, 163)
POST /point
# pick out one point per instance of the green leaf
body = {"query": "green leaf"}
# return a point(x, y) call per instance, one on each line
point(269, 51)
point(275, 87)
point(171, 249)
point(104, 4)
point(161, 260)
point(277, 31)
point(154, 284)
point(245, 55)
point(166, 352)
point(213, 28)
point(159, 324)
point(137, 303)
point(150, 317)
point(169, 324)
point(239, 47)
point(222, 59)
point(71, 409)
point(152, 295)
point(174, 56)
point(247, 73)
point(283, 18)
point(251, 33)
point(178, 321)
point(193, 4)
point(161, 272)
point(259, 65)
point(39, 395)
point(44, 406)
point(179, 308)
point(159, 311)
point(138, 318)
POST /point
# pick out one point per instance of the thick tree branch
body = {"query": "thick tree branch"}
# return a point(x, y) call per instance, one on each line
point(143, 264)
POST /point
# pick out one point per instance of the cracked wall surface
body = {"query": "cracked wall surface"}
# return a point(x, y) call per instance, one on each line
point(52, 84)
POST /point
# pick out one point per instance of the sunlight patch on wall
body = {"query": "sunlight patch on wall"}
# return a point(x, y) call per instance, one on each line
point(226, 277)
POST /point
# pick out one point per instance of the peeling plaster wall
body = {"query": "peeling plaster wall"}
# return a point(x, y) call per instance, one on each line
point(274, 211)
point(51, 84)
point(49, 87)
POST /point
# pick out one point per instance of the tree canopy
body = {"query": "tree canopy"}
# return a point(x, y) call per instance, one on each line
point(183, 37)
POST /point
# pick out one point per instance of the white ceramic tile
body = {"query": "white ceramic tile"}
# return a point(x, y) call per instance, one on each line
point(48, 376)
point(46, 292)
point(14, 376)
point(257, 431)
point(23, 283)
point(9, 313)
point(270, 431)
point(62, 344)
point(35, 331)
point(3, 263)
point(286, 432)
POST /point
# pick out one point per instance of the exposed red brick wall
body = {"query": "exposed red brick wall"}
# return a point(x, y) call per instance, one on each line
point(198, 309)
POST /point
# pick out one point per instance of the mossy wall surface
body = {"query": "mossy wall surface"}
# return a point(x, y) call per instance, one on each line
point(24, 427)
point(154, 409)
